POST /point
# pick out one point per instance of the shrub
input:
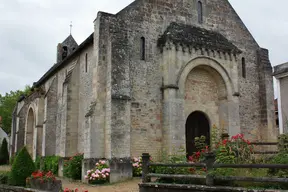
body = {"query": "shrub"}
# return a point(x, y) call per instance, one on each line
point(100, 174)
point(37, 162)
point(234, 150)
point(4, 177)
point(180, 157)
point(73, 167)
point(4, 154)
point(137, 166)
point(22, 168)
point(12, 159)
point(50, 163)
point(283, 143)
point(281, 158)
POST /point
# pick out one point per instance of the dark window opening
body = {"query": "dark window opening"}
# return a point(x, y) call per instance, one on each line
point(243, 68)
point(142, 48)
point(86, 62)
point(73, 48)
point(65, 52)
point(200, 12)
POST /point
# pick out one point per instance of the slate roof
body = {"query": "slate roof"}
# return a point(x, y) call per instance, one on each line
point(280, 69)
point(196, 37)
point(70, 39)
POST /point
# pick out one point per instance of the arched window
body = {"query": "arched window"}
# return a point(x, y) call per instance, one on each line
point(243, 68)
point(65, 52)
point(142, 48)
point(86, 62)
point(200, 12)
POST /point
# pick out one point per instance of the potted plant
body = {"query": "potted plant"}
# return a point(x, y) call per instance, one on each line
point(44, 181)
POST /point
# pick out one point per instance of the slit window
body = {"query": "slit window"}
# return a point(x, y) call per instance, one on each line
point(200, 12)
point(142, 48)
point(243, 68)
point(86, 62)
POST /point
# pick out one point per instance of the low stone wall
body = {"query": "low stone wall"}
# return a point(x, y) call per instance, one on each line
point(7, 188)
point(155, 187)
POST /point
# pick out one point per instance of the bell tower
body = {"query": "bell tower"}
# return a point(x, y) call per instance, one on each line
point(68, 46)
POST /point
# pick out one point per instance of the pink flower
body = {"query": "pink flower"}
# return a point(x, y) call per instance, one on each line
point(86, 177)
point(107, 174)
point(97, 176)
point(108, 170)
point(104, 176)
point(97, 164)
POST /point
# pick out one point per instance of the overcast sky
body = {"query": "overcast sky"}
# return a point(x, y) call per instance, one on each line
point(31, 29)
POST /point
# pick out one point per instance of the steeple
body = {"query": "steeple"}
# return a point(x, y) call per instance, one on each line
point(65, 48)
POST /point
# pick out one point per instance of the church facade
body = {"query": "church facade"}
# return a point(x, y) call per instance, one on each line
point(149, 78)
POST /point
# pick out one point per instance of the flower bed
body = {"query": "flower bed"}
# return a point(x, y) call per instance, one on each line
point(44, 181)
point(100, 174)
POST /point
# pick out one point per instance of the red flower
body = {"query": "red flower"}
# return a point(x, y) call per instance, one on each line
point(224, 142)
point(192, 170)
point(190, 158)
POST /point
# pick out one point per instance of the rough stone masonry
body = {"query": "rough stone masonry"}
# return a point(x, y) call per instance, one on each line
point(149, 79)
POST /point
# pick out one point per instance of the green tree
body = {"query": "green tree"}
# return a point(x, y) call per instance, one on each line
point(7, 105)
point(23, 166)
point(4, 155)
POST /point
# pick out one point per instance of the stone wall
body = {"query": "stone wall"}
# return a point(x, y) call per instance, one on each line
point(86, 67)
point(150, 19)
point(6, 188)
point(50, 115)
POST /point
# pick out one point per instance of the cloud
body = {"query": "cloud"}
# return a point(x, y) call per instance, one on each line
point(31, 30)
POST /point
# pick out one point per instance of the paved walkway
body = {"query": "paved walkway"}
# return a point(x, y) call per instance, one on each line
point(128, 186)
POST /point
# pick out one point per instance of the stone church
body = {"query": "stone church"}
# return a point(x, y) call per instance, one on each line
point(150, 78)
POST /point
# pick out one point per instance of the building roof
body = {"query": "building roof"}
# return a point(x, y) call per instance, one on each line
point(70, 39)
point(279, 69)
point(56, 67)
point(196, 37)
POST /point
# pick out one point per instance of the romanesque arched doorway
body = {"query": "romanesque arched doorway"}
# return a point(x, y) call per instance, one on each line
point(30, 131)
point(197, 124)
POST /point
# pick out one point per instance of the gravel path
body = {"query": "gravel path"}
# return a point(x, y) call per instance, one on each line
point(128, 186)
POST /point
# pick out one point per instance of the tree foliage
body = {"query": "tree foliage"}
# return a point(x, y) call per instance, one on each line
point(7, 105)
point(4, 155)
point(23, 166)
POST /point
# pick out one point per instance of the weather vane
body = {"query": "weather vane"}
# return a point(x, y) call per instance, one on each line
point(70, 27)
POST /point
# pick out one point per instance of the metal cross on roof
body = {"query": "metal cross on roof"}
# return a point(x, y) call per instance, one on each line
point(71, 28)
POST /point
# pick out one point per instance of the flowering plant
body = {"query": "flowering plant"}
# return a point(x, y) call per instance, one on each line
point(234, 150)
point(137, 166)
point(196, 158)
point(73, 166)
point(100, 174)
point(42, 176)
